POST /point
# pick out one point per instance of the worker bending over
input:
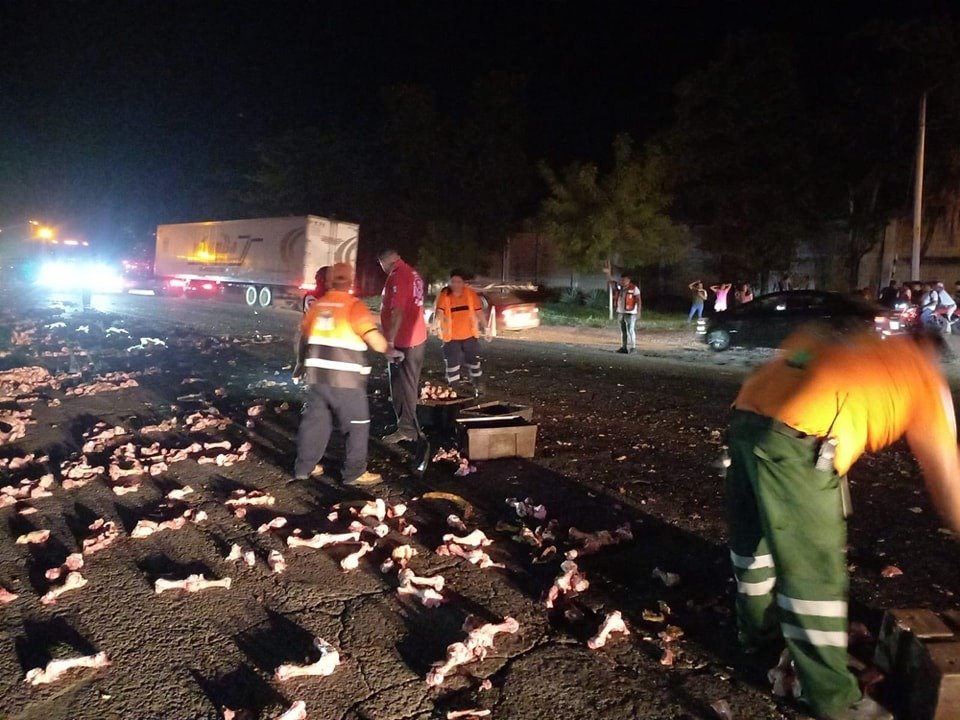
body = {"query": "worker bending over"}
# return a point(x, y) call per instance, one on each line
point(799, 423)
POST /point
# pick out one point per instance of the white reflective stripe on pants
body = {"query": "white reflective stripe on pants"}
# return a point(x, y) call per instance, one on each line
point(817, 638)
point(359, 422)
point(818, 608)
point(747, 562)
point(337, 365)
point(756, 588)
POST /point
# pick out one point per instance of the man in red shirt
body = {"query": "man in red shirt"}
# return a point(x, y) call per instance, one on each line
point(401, 315)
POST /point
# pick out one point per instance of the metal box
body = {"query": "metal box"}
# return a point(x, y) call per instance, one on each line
point(498, 409)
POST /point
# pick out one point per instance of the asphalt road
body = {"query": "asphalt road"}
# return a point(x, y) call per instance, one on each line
point(622, 439)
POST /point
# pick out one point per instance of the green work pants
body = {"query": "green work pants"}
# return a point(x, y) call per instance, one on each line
point(787, 544)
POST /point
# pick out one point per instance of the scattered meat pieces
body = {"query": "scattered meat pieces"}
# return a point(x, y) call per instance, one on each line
point(78, 473)
point(103, 383)
point(73, 581)
point(591, 543)
point(408, 577)
point(381, 530)
point(374, 508)
point(180, 493)
point(352, 561)
point(254, 497)
point(163, 427)
point(237, 554)
point(406, 529)
point(612, 623)
point(276, 562)
point(437, 392)
point(204, 420)
point(891, 571)
point(102, 534)
point(100, 435)
point(55, 669)
point(452, 454)
point(569, 582)
point(784, 677)
point(275, 524)
point(34, 537)
point(527, 508)
point(146, 528)
point(396, 511)
point(297, 711)
point(722, 709)
point(465, 468)
point(478, 641)
point(6, 596)
point(13, 425)
point(456, 523)
point(667, 578)
point(328, 662)
point(475, 556)
point(475, 539)
point(467, 714)
point(190, 584)
point(256, 411)
point(74, 561)
point(322, 540)
point(24, 380)
point(428, 597)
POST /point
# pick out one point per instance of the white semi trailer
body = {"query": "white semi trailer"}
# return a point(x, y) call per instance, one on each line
point(264, 257)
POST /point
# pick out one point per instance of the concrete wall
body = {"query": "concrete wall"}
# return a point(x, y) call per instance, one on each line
point(891, 257)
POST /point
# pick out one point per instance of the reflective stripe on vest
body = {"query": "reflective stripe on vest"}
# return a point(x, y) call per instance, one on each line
point(335, 355)
point(337, 365)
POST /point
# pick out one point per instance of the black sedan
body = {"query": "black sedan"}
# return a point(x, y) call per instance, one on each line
point(769, 319)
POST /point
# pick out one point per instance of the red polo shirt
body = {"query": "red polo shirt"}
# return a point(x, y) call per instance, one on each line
point(404, 289)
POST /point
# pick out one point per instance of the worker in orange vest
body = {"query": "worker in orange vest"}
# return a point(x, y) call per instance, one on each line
point(459, 320)
point(799, 423)
point(331, 359)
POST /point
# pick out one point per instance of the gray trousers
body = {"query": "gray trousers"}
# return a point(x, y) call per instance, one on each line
point(462, 352)
point(352, 412)
point(405, 388)
point(628, 330)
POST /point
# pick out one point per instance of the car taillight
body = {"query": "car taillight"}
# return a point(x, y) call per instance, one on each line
point(506, 312)
point(208, 286)
point(177, 283)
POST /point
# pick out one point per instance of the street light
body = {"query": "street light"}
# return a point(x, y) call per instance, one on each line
point(45, 232)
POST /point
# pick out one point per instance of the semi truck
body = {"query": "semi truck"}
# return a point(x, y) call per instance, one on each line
point(265, 258)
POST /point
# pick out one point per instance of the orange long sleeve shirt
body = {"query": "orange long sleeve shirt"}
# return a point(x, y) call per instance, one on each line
point(863, 391)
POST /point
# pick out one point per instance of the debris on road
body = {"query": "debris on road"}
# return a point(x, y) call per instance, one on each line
point(527, 508)
point(352, 561)
point(478, 642)
point(190, 584)
point(667, 578)
point(612, 623)
point(569, 582)
point(56, 669)
point(891, 571)
point(297, 711)
point(73, 581)
point(324, 667)
point(322, 540)
point(467, 714)
point(592, 543)
point(784, 678)
point(276, 562)
point(34, 537)
point(74, 561)
point(103, 533)
point(6, 596)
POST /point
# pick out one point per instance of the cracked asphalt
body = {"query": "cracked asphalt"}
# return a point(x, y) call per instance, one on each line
point(621, 439)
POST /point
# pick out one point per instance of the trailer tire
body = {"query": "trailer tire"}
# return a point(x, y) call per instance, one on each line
point(265, 297)
point(250, 295)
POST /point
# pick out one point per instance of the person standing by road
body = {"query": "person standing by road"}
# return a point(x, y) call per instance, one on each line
point(401, 316)
point(699, 296)
point(626, 298)
point(331, 358)
point(459, 321)
point(799, 423)
point(721, 290)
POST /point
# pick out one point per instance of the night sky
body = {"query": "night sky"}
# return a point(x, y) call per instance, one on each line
point(113, 113)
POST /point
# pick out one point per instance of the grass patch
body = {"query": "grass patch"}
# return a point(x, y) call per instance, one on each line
point(586, 316)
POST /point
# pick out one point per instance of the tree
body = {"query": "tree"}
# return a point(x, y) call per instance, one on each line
point(740, 154)
point(620, 215)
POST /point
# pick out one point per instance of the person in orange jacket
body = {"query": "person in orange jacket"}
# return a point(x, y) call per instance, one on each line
point(459, 320)
point(332, 360)
point(799, 423)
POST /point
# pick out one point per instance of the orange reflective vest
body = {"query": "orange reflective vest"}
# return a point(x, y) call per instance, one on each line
point(331, 345)
point(458, 315)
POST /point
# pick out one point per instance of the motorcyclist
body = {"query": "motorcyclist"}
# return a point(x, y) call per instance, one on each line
point(928, 304)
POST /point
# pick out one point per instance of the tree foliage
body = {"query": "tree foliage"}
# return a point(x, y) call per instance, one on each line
point(620, 215)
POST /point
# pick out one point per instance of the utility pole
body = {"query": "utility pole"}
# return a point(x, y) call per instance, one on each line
point(918, 190)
